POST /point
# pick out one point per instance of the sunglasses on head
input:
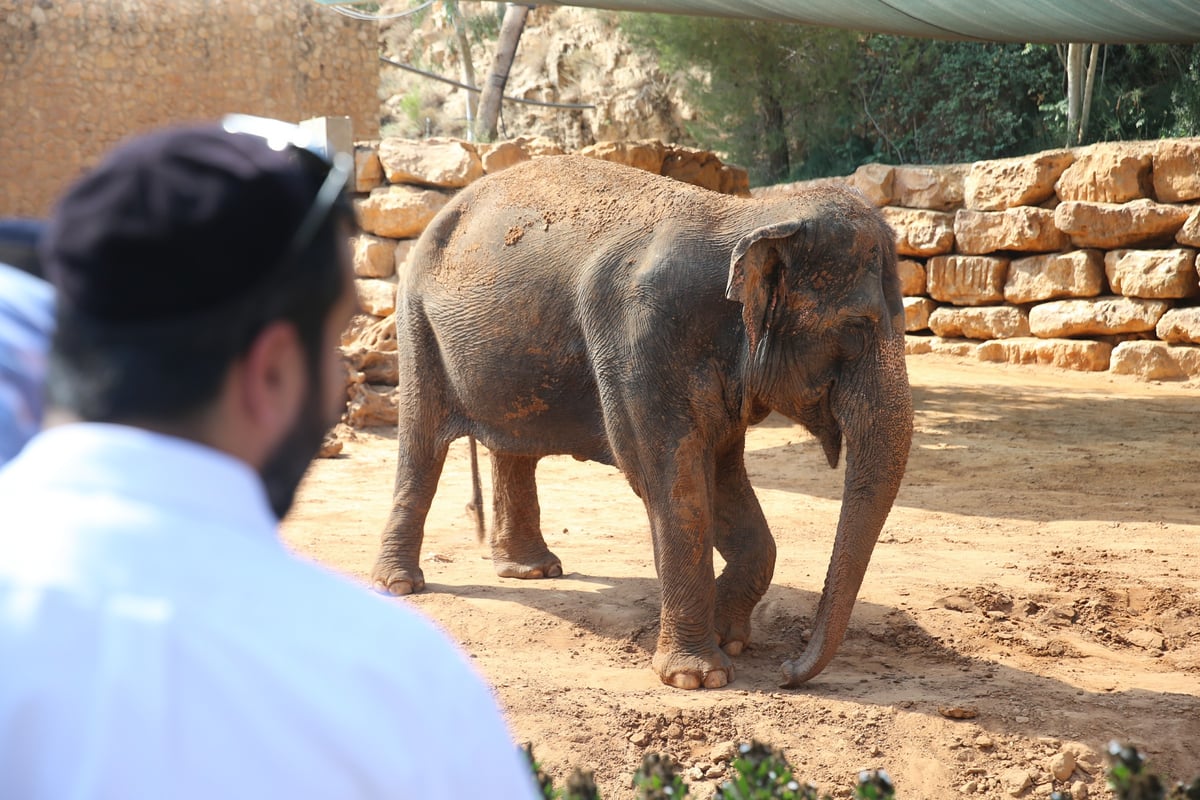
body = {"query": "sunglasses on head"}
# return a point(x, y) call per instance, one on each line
point(337, 166)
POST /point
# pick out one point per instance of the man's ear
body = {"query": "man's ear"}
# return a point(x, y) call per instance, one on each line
point(274, 379)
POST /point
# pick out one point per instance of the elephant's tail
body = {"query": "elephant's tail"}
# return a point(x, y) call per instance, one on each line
point(476, 504)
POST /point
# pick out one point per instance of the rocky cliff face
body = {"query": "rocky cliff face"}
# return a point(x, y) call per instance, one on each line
point(566, 55)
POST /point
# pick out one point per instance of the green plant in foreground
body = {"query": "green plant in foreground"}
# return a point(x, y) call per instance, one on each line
point(762, 773)
point(657, 779)
point(1130, 781)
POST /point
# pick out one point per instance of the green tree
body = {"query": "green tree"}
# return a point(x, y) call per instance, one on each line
point(929, 101)
point(766, 93)
point(1144, 92)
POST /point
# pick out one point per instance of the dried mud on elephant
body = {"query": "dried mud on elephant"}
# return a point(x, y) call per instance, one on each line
point(1034, 593)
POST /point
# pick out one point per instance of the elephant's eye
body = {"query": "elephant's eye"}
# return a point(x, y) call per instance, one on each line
point(852, 338)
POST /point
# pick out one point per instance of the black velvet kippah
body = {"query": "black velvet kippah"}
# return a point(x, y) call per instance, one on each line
point(175, 222)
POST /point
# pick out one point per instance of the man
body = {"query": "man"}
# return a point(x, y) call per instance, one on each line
point(156, 640)
point(26, 320)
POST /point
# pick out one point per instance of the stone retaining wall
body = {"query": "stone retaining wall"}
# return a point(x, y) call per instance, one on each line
point(78, 75)
point(1082, 258)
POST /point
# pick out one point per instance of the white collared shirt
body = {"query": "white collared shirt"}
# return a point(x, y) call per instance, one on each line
point(158, 641)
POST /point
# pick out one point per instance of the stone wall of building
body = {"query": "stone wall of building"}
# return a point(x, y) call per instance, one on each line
point(78, 75)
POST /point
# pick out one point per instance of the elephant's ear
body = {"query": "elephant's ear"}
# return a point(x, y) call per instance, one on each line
point(756, 275)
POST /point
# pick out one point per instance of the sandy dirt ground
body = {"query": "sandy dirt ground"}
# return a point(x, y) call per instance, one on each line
point(1034, 595)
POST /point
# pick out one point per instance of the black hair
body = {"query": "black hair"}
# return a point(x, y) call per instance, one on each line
point(170, 370)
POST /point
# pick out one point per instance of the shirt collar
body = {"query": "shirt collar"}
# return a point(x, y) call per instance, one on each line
point(198, 481)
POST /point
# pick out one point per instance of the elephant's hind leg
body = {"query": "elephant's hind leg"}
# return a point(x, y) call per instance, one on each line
point(518, 549)
point(745, 542)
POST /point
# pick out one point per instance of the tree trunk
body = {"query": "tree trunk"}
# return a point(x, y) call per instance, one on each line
point(1088, 88)
point(1081, 83)
point(468, 66)
point(1074, 90)
point(779, 165)
point(493, 91)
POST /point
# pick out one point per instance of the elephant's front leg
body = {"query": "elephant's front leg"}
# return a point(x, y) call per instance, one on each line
point(419, 465)
point(518, 549)
point(681, 521)
point(744, 540)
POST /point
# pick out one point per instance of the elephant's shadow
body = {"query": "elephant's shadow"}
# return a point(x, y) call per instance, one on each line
point(886, 659)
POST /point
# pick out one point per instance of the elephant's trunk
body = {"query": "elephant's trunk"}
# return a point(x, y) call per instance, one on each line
point(874, 408)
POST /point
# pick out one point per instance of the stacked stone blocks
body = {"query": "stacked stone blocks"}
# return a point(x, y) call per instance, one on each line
point(1079, 258)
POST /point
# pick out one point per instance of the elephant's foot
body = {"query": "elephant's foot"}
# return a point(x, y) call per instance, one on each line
point(541, 565)
point(395, 580)
point(687, 671)
point(732, 634)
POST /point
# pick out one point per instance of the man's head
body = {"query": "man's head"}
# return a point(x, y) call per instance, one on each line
point(203, 279)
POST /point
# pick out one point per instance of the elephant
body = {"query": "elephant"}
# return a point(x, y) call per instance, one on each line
point(570, 305)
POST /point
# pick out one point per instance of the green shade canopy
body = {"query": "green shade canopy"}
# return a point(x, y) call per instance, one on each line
point(1107, 21)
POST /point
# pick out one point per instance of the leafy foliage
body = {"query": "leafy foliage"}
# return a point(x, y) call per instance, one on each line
point(790, 102)
point(766, 92)
point(930, 102)
point(1130, 780)
point(658, 779)
point(760, 772)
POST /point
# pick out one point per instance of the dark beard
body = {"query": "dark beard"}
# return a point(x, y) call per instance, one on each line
point(285, 468)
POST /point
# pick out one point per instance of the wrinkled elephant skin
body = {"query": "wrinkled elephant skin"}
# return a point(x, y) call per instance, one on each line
point(568, 305)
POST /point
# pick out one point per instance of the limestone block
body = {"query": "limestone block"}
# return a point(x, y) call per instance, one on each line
point(1156, 361)
point(1112, 225)
point(697, 167)
point(1011, 182)
point(1177, 170)
point(912, 277)
point(1162, 274)
point(372, 406)
point(368, 172)
point(875, 181)
point(1179, 326)
point(918, 345)
point(959, 348)
point(648, 155)
point(1189, 234)
point(374, 256)
point(967, 280)
point(920, 233)
point(447, 163)
point(916, 313)
point(403, 255)
point(399, 212)
point(1024, 229)
point(1079, 354)
point(734, 180)
point(1108, 173)
point(1079, 273)
point(939, 188)
point(981, 322)
point(1095, 317)
point(376, 296)
point(502, 155)
point(372, 352)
